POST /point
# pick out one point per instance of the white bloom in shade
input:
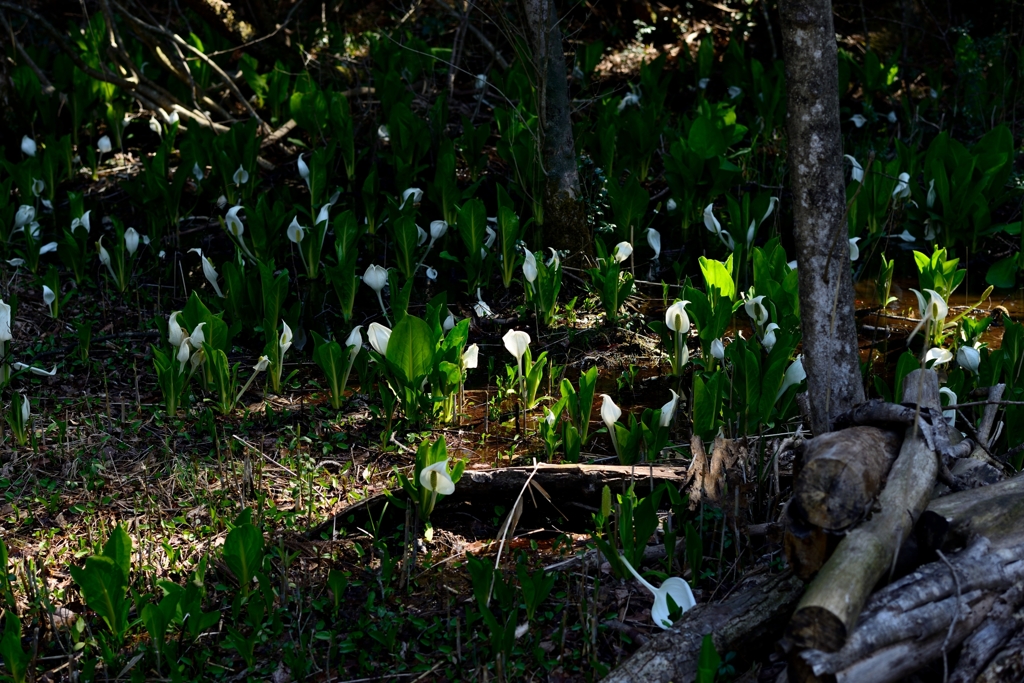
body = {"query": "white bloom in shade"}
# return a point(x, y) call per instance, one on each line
point(471, 356)
point(668, 411)
point(174, 331)
point(35, 371)
point(28, 146)
point(355, 337)
point(47, 248)
point(222, 201)
point(284, 342)
point(82, 222)
point(673, 586)
point(734, 91)
point(549, 417)
point(950, 414)
point(712, 224)
point(103, 144)
point(530, 267)
point(554, 260)
point(756, 310)
point(968, 358)
point(131, 241)
point(703, 83)
point(772, 201)
point(15, 262)
point(769, 337)
point(516, 341)
point(375, 277)
point(676, 317)
point(48, 297)
point(197, 171)
point(857, 171)
point(628, 100)
point(261, 364)
point(209, 271)
point(902, 190)
point(891, 116)
point(654, 240)
point(303, 170)
point(449, 323)
point(907, 237)
point(930, 200)
point(717, 349)
point(414, 194)
point(670, 205)
point(421, 236)
point(622, 251)
point(854, 249)
point(437, 230)
point(610, 414)
point(431, 274)
point(24, 409)
point(25, 215)
point(934, 309)
point(322, 217)
point(233, 223)
point(858, 120)
point(198, 337)
point(795, 374)
point(940, 356)
point(480, 82)
point(378, 336)
point(491, 236)
point(154, 126)
point(436, 478)
point(791, 264)
point(183, 354)
point(295, 231)
point(104, 256)
point(240, 177)
point(38, 186)
point(383, 134)
point(5, 322)
point(481, 309)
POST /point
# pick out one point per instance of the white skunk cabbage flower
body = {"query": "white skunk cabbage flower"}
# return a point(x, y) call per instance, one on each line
point(209, 271)
point(673, 586)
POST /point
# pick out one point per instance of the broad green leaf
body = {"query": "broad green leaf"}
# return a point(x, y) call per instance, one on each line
point(411, 349)
point(243, 553)
point(119, 549)
point(102, 584)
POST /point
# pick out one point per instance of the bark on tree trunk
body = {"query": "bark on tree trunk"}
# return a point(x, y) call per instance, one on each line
point(819, 210)
point(564, 220)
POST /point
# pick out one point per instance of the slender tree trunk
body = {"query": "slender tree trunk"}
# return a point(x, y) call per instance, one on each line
point(819, 210)
point(565, 225)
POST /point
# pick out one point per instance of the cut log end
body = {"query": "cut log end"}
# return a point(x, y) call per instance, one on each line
point(816, 628)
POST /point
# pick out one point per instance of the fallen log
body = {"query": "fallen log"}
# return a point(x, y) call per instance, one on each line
point(806, 546)
point(1008, 665)
point(996, 512)
point(925, 615)
point(748, 623)
point(826, 614)
point(842, 475)
point(573, 490)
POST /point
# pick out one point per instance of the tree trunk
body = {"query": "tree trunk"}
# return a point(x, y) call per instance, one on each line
point(564, 220)
point(819, 210)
